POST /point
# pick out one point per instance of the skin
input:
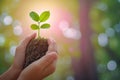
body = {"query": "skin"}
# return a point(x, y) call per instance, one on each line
point(38, 70)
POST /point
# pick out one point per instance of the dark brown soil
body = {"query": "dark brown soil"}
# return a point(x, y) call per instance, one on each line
point(35, 50)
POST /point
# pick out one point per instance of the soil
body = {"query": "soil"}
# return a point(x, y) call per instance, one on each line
point(35, 49)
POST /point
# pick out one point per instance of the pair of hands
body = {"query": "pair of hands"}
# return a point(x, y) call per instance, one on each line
point(38, 70)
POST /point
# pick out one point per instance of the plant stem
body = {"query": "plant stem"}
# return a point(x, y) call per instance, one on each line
point(39, 30)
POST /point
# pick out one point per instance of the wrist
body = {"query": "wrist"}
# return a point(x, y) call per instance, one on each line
point(11, 74)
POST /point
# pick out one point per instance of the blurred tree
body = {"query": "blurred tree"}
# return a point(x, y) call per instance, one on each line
point(85, 67)
point(106, 30)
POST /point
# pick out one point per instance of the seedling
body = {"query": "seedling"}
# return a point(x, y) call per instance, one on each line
point(40, 19)
point(38, 47)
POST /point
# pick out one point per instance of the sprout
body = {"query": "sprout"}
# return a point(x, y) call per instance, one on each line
point(40, 19)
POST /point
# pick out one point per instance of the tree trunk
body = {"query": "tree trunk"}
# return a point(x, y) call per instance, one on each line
point(85, 68)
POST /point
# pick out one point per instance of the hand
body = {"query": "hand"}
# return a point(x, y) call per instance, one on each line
point(35, 71)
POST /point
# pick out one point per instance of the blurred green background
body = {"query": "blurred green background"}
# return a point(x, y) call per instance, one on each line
point(87, 33)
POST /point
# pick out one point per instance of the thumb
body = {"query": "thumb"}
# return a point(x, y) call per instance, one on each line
point(52, 45)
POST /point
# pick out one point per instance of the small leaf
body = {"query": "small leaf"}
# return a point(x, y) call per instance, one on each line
point(34, 16)
point(44, 16)
point(34, 27)
point(46, 25)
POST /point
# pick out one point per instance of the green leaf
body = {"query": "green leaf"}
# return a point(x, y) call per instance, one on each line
point(34, 27)
point(44, 16)
point(34, 16)
point(46, 25)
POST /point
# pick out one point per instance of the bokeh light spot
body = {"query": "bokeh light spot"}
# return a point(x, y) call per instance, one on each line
point(72, 33)
point(110, 32)
point(18, 30)
point(117, 27)
point(112, 65)
point(102, 6)
point(119, 1)
point(103, 39)
point(7, 20)
point(12, 50)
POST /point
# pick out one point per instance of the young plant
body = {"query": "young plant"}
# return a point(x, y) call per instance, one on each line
point(40, 19)
point(37, 47)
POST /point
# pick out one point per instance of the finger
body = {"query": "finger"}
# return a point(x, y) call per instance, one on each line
point(52, 46)
point(49, 70)
point(42, 63)
point(27, 39)
point(22, 46)
point(34, 70)
point(46, 60)
point(20, 51)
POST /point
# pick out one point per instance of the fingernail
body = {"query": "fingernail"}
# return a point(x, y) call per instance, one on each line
point(33, 34)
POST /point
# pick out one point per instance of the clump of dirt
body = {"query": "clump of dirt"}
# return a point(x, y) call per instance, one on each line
point(35, 49)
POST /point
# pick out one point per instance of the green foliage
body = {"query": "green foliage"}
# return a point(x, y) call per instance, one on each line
point(34, 27)
point(44, 26)
point(44, 16)
point(40, 19)
point(105, 19)
point(34, 16)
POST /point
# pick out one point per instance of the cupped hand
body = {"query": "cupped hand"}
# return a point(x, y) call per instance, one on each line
point(43, 67)
point(37, 70)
